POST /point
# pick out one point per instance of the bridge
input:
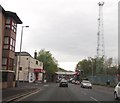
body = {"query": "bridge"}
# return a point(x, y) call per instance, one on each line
point(65, 73)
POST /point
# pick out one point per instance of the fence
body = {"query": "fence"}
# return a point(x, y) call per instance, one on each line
point(102, 80)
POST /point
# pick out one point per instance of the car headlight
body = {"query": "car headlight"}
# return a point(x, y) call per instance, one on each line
point(90, 84)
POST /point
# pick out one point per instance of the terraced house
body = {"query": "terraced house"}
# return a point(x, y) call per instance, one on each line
point(8, 30)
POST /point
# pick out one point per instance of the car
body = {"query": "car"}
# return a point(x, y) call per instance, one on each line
point(86, 84)
point(63, 83)
point(117, 91)
point(77, 82)
point(70, 80)
point(73, 81)
point(57, 81)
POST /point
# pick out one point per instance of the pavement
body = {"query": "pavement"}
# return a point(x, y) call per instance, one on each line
point(10, 94)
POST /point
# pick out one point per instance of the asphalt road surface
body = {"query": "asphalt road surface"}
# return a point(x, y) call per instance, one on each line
point(52, 92)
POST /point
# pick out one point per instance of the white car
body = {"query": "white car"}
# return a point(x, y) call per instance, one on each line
point(86, 84)
point(117, 91)
point(77, 82)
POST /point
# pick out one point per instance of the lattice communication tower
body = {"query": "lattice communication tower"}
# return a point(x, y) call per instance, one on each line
point(100, 34)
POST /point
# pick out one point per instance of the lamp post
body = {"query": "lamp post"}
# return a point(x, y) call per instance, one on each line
point(20, 53)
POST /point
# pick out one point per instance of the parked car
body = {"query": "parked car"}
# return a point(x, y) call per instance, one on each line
point(86, 84)
point(57, 81)
point(73, 81)
point(63, 83)
point(70, 80)
point(77, 82)
point(117, 91)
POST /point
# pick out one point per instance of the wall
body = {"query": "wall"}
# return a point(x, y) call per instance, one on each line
point(0, 38)
point(28, 65)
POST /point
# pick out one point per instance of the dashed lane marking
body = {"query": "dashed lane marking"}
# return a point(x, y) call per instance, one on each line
point(94, 99)
point(46, 85)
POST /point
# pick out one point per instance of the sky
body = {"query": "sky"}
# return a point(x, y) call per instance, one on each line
point(66, 28)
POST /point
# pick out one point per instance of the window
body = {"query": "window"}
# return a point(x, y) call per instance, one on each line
point(7, 26)
point(4, 61)
point(20, 68)
point(6, 43)
point(11, 41)
point(10, 47)
point(12, 44)
point(6, 46)
point(8, 21)
point(14, 26)
point(11, 24)
point(4, 76)
point(37, 62)
point(6, 40)
point(4, 67)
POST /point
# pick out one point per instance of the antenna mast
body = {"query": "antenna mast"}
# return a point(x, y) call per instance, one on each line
point(100, 39)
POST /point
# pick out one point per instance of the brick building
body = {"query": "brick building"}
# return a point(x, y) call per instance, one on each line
point(8, 30)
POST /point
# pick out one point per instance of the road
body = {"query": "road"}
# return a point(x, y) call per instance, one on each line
point(52, 92)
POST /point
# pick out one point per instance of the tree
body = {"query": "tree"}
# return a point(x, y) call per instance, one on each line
point(97, 66)
point(50, 64)
point(84, 66)
point(100, 66)
point(91, 66)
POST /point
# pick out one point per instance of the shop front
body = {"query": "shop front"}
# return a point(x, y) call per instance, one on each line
point(36, 75)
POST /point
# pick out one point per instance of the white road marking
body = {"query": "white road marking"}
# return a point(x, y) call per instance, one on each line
point(46, 85)
point(27, 95)
point(94, 99)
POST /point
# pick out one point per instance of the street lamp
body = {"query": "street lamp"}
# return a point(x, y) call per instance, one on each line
point(20, 53)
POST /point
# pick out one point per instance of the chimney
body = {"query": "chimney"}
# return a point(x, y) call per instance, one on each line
point(35, 55)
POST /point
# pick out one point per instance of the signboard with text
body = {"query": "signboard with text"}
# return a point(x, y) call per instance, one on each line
point(39, 71)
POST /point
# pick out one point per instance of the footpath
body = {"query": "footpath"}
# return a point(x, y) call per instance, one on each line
point(21, 90)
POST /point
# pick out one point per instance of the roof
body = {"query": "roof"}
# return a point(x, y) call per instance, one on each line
point(11, 14)
point(2, 9)
point(22, 54)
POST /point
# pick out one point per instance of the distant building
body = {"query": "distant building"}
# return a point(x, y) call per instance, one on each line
point(31, 69)
point(8, 30)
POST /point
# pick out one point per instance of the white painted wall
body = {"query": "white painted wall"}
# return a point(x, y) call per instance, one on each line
point(28, 65)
